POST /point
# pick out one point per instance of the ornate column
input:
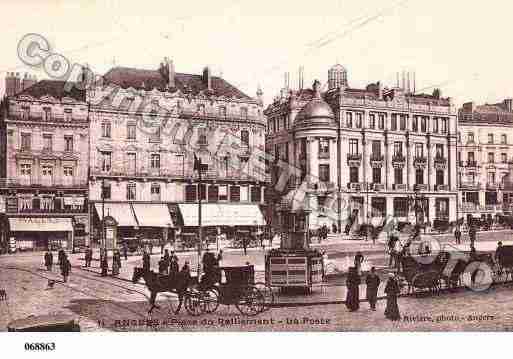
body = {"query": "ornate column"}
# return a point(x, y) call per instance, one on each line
point(430, 163)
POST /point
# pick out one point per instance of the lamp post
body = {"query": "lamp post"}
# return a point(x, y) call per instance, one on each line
point(103, 239)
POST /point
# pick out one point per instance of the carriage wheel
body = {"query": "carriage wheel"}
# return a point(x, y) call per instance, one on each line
point(268, 294)
point(251, 301)
point(210, 300)
point(193, 304)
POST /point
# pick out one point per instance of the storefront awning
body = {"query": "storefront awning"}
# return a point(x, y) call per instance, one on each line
point(40, 224)
point(121, 212)
point(152, 215)
point(222, 214)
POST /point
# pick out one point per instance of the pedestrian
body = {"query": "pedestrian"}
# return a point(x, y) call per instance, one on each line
point(48, 260)
point(161, 247)
point(163, 266)
point(167, 259)
point(60, 256)
point(125, 250)
point(245, 244)
point(104, 265)
point(151, 247)
point(472, 232)
point(457, 235)
point(353, 290)
point(358, 260)
point(372, 281)
point(102, 254)
point(186, 269)
point(392, 290)
point(88, 256)
point(146, 261)
point(116, 262)
point(65, 268)
point(219, 257)
point(173, 266)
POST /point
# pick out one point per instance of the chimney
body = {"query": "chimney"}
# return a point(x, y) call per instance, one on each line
point(207, 78)
point(508, 104)
point(380, 90)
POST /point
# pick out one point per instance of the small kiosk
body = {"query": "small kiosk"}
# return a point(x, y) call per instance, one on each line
point(294, 264)
point(111, 233)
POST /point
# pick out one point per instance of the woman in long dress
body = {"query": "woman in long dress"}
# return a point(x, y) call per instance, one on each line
point(353, 290)
point(392, 291)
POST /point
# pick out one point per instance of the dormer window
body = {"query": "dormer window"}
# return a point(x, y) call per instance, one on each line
point(67, 114)
point(106, 129)
point(47, 114)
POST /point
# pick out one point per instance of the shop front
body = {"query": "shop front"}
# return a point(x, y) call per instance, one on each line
point(40, 233)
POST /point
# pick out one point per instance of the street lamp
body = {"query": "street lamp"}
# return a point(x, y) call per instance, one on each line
point(414, 201)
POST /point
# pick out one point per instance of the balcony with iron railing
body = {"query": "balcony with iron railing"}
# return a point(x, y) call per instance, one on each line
point(38, 117)
point(56, 182)
point(472, 163)
point(468, 185)
point(40, 205)
point(354, 156)
point(398, 158)
point(215, 115)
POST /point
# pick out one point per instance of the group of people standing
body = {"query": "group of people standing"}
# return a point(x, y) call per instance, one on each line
point(372, 281)
point(63, 262)
point(168, 263)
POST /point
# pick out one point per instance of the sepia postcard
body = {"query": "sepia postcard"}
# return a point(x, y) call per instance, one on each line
point(263, 166)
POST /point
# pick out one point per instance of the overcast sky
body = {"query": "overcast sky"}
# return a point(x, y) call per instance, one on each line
point(461, 46)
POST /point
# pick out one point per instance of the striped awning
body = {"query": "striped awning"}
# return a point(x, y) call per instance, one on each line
point(121, 212)
point(152, 215)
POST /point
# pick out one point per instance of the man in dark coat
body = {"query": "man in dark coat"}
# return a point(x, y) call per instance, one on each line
point(358, 260)
point(173, 265)
point(104, 265)
point(457, 235)
point(472, 233)
point(372, 281)
point(125, 250)
point(353, 290)
point(60, 256)
point(48, 260)
point(245, 244)
point(88, 256)
point(392, 290)
point(163, 266)
point(65, 268)
point(146, 261)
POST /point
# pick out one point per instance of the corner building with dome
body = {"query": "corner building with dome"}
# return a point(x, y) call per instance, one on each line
point(363, 155)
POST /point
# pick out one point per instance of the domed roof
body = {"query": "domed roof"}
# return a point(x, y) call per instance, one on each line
point(316, 112)
point(338, 67)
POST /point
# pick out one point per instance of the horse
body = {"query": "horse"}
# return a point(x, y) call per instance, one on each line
point(177, 283)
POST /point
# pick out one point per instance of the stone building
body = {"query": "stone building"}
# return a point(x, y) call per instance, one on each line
point(485, 150)
point(146, 128)
point(44, 167)
point(364, 154)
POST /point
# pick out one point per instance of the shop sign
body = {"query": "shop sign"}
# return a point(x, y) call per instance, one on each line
point(2, 204)
point(40, 220)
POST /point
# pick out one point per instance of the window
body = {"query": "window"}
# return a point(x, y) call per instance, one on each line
point(106, 190)
point(106, 129)
point(444, 125)
point(415, 124)
point(256, 194)
point(46, 203)
point(353, 174)
point(470, 137)
point(419, 150)
point(223, 193)
point(504, 158)
point(381, 121)
point(376, 148)
point(25, 169)
point(423, 124)
point(67, 114)
point(155, 192)
point(235, 193)
point(398, 148)
point(324, 148)
point(190, 193)
point(222, 111)
point(491, 177)
point(26, 141)
point(439, 177)
point(359, 120)
point(131, 193)
point(202, 136)
point(372, 121)
point(419, 176)
point(105, 161)
point(324, 173)
point(25, 113)
point(439, 150)
point(393, 122)
point(470, 156)
point(435, 125)
point(376, 175)
point(353, 146)
point(213, 193)
point(68, 171)
point(68, 143)
point(491, 157)
point(155, 161)
point(398, 175)
point(47, 142)
point(46, 170)
point(490, 138)
point(403, 122)
point(504, 139)
point(130, 131)
point(244, 112)
point(155, 134)
point(131, 162)
point(400, 207)
point(244, 138)
point(47, 114)
point(349, 119)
